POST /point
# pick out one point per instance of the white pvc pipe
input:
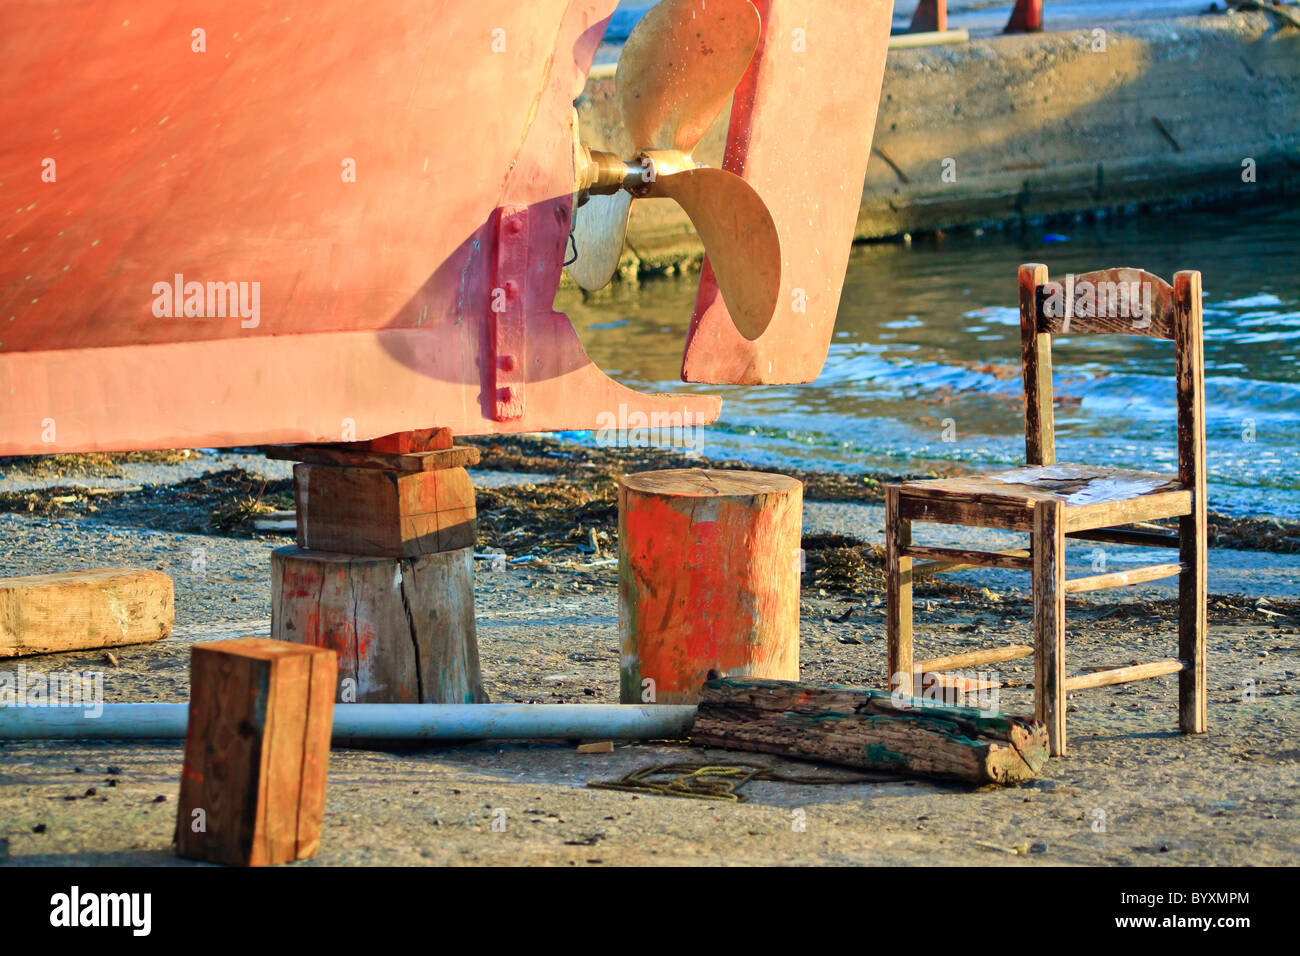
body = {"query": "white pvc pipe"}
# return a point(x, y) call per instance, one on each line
point(373, 721)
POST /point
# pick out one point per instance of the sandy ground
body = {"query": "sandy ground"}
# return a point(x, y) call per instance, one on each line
point(1132, 790)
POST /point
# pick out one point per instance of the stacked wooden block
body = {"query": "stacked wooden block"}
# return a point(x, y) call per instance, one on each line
point(383, 570)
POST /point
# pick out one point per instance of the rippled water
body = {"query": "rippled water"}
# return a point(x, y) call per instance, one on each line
point(929, 332)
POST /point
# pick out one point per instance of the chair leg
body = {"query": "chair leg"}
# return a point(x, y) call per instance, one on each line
point(1049, 621)
point(898, 595)
point(1192, 587)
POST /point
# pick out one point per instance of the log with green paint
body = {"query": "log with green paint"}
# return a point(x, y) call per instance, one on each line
point(869, 729)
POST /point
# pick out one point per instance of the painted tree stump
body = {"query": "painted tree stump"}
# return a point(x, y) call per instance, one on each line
point(709, 567)
point(403, 628)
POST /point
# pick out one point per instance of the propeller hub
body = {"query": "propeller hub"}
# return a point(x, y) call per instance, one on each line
point(603, 173)
point(653, 165)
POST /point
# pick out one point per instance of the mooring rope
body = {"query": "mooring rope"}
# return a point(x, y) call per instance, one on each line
point(711, 781)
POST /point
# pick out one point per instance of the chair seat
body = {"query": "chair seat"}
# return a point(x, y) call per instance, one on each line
point(1093, 496)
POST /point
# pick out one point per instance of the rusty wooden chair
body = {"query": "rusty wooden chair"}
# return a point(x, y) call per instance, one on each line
point(1054, 502)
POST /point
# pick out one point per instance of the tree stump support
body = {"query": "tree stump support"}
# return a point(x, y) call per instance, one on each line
point(709, 565)
point(384, 569)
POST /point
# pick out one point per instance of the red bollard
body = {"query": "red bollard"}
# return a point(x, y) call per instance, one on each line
point(1027, 17)
point(930, 16)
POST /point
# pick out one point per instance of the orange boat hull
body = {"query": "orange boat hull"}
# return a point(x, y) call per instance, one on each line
point(253, 222)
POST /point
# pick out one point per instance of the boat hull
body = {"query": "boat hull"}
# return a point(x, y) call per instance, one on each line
point(285, 227)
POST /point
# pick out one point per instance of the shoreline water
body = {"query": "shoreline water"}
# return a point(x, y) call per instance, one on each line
point(1093, 116)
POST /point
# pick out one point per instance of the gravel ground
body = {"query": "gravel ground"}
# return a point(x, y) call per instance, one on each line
point(1131, 791)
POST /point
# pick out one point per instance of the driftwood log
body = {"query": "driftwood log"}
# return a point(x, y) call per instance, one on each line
point(868, 729)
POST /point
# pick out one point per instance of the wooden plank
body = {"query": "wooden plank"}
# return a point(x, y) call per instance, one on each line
point(973, 658)
point(1120, 301)
point(709, 565)
point(256, 752)
point(1036, 367)
point(868, 729)
point(403, 628)
point(1107, 514)
point(1193, 543)
point(930, 684)
point(459, 456)
point(82, 610)
point(366, 511)
point(1116, 579)
point(1126, 536)
point(1049, 621)
point(898, 591)
point(1122, 675)
point(947, 567)
point(975, 511)
point(404, 443)
point(1016, 559)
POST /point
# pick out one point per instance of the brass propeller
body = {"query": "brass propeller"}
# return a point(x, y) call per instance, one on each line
point(678, 68)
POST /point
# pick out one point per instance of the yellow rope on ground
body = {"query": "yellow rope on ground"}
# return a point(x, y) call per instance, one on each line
point(707, 781)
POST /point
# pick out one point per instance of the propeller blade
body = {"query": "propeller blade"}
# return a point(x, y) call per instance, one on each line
point(680, 65)
point(739, 238)
point(599, 226)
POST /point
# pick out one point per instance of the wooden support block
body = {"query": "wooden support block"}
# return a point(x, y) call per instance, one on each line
point(83, 610)
point(403, 627)
point(404, 443)
point(1115, 579)
point(458, 456)
point(597, 747)
point(709, 565)
point(1122, 675)
point(868, 729)
point(367, 511)
point(256, 752)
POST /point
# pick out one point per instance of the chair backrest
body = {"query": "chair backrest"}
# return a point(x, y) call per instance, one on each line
point(1113, 301)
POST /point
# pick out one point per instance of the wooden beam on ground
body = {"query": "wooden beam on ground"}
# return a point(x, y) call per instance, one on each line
point(1115, 579)
point(973, 658)
point(868, 729)
point(944, 560)
point(256, 752)
point(83, 610)
point(1122, 675)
